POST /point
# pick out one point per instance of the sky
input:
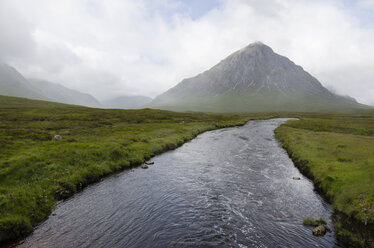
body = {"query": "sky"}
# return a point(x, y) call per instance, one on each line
point(144, 47)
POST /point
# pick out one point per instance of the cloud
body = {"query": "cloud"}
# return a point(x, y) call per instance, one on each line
point(366, 4)
point(15, 33)
point(114, 47)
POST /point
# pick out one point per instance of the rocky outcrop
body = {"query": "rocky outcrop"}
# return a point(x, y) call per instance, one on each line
point(320, 230)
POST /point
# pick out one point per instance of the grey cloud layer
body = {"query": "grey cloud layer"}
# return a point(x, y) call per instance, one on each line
point(113, 47)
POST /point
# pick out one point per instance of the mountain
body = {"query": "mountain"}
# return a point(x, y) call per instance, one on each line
point(350, 98)
point(127, 102)
point(12, 83)
point(59, 93)
point(253, 79)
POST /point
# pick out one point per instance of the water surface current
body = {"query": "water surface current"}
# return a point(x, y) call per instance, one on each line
point(226, 188)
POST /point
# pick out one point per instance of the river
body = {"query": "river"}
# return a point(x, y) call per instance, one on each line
point(226, 188)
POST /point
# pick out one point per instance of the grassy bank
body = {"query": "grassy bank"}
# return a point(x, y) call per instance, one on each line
point(36, 172)
point(337, 153)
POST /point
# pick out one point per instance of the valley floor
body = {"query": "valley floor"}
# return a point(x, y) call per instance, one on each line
point(36, 171)
point(337, 153)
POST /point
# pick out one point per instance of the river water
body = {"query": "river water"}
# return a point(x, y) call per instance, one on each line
point(226, 188)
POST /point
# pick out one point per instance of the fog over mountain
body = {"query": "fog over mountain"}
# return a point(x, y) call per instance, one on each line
point(127, 102)
point(59, 93)
point(253, 79)
point(12, 83)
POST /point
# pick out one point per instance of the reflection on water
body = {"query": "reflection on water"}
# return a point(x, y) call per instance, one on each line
point(226, 188)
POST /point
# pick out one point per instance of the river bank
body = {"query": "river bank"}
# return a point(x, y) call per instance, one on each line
point(336, 153)
point(36, 171)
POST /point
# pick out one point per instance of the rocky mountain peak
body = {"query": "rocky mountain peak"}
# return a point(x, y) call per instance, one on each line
point(257, 46)
point(254, 78)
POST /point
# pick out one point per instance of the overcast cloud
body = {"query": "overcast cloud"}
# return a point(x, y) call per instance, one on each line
point(113, 47)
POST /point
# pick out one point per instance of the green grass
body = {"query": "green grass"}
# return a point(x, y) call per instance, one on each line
point(358, 124)
point(314, 222)
point(337, 153)
point(36, 172)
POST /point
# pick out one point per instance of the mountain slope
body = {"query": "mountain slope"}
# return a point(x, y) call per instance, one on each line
point(61, 94)
point(253, 79)
point(12, 83)
point(127, 102)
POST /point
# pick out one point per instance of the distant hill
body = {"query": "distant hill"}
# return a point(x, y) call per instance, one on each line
point(59, 93)
point(253, 79)
point(127, 102)
point(12, 83)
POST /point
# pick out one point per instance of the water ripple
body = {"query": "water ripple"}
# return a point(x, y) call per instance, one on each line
point(227, 188)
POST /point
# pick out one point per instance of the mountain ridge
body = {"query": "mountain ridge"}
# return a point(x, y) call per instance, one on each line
point(252, 79)
point(62, 94)
point(13, 83)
